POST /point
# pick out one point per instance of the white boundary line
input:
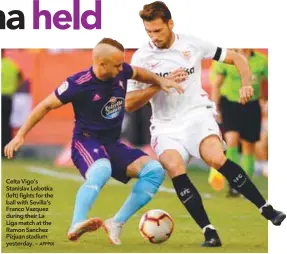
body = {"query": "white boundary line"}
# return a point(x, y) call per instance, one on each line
point(78, 178)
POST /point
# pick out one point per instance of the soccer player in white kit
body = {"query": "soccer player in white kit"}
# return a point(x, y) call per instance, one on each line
point(183, 126)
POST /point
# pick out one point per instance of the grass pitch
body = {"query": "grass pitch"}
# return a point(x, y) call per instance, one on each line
point(239, 224)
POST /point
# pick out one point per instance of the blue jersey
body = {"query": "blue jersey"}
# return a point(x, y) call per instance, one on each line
point(98, 105)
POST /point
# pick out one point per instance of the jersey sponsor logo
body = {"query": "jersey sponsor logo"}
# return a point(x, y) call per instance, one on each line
point(62, 88)
point(112, 108)
point(189, 71)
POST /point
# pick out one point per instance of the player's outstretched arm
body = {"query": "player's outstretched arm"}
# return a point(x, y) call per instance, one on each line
point(146, 76)
point(138, 98)
point(51, 102)
point(241, 63)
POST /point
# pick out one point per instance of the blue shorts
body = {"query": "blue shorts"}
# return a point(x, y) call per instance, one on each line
point(87, 149)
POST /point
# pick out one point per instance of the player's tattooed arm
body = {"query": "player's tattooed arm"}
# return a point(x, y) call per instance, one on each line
point(242, 65)
point(51, 102)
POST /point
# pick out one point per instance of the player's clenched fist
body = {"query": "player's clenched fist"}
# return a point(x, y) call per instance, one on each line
point(13, 146)
point(246, 93)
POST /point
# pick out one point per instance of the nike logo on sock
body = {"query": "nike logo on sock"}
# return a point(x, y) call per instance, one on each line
point(239, 186)
point(184, 201)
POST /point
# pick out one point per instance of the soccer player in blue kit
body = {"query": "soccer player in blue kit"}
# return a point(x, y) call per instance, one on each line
point(98, 99)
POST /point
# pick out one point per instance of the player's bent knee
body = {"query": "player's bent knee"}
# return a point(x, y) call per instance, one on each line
point(175, 169)
point(99, 172)
point(172, 166)
point(154, 172)
point(216, 161)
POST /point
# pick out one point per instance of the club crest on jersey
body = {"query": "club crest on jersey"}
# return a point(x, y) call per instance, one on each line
point(186, 54)
point(113, 108)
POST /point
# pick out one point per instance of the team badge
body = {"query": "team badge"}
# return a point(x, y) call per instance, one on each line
point(113, 108)
point(186, 54)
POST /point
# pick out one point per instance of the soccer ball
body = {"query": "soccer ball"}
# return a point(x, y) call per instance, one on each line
point(156, 226)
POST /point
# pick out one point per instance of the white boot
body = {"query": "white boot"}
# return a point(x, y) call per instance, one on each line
point(113, 229)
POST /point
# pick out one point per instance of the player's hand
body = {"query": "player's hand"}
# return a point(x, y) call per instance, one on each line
point(178, 75)
point(246, 93)
point(167, 84)
point(13, 146)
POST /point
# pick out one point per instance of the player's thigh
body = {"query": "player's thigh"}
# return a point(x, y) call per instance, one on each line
point(211, 151)
point(231, 115)
point(172, 154)
point(251, 124)
point(204, 127)
point(137, 165)
point(126, 161)
point(85, 151)
point(163, 142)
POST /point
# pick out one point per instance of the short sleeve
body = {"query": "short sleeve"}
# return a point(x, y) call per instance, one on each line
point(134, 85)
point(66, 91)
point(210, 51)
point(128, 71)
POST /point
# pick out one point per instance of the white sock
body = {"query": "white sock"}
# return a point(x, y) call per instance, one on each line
point(261, 208)
point(208, 226)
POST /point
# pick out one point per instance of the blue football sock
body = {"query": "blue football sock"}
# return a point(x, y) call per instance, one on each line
point(150, 178)
point(96, 177)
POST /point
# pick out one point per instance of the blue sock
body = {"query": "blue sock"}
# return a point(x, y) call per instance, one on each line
point(150, 178)
point(96, 177)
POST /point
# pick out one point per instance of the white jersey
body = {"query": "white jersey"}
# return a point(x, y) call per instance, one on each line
point(186, 52)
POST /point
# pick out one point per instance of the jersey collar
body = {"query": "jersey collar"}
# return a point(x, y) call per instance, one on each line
point(95, 77)
point(154, 47)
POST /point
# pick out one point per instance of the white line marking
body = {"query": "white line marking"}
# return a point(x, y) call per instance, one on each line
point(78, 178)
